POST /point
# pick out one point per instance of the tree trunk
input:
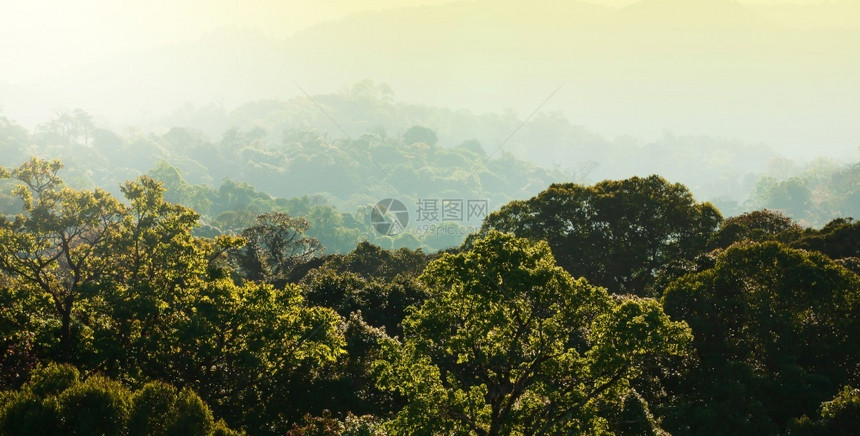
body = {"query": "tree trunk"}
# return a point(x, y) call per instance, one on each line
point(66, 331)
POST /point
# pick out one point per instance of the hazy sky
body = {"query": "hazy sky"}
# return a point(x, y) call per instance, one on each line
point(36, 35)
point(39, 36)
point(791, 89)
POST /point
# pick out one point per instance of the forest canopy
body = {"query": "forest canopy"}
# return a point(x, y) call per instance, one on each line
point(623, 307)
point(275, 156)
point(430, 217)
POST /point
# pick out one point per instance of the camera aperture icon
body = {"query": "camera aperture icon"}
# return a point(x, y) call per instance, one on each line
point(389, 217)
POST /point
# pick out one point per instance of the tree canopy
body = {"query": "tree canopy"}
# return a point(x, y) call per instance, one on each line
point(775, 329)
point(133, 314)
point(509, 343)
point(616, 234)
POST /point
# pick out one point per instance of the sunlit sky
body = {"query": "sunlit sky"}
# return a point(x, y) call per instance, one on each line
point(40, 36)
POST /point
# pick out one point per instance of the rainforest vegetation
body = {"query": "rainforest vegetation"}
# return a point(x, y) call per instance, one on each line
point(429, 217)
point(622, 307)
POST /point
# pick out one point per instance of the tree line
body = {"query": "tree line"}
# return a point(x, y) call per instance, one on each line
point(288, 156)
point(625, 307)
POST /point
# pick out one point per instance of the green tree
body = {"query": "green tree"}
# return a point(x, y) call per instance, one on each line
point(372, 262)
point(378, 283)
point(19, 321)
point(382, 303)
point(156, 267)
point(616, 234)
point(179, 191)
point(838, 239)
point(95, 406)
point(509, 343)
point(148, 300)
point(159, 409)
point(58, 402)
point(757, 226)
point(274, 246)
point(61, 246)
point(250, 351)
point(839, 416)
point(792, 196)
point(776, 331)
point(327, 425)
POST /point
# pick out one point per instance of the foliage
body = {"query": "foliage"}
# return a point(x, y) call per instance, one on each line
point(776, 331)
point(758, 226)
point(57, 402)
point(841, 415)
point(129, 291)
point(815, 196)
point(274, 246)
point(326, 425)
point(420, 134)
point(616, 234)
point(509, 343)
point(235, 302)
point(372, 290)
point(18, 321)
point(380, 284)
point(160, 409)
point(60, 244)
point(839, 239)
point(251, 350)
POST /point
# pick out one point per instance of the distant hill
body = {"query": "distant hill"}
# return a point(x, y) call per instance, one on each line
point(711, 67)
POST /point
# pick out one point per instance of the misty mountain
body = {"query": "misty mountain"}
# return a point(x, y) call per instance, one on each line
point(710, 67)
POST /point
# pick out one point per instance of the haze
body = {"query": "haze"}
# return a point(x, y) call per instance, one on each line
point(40, 36)
point(784, 74)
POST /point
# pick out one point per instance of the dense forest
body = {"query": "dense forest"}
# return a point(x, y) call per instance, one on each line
point(620, 307)
point(329, 158)
point(429, 217)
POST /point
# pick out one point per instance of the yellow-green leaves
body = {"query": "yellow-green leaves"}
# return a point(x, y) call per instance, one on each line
point(61, 244)
point(509, 343)
point(57, 401)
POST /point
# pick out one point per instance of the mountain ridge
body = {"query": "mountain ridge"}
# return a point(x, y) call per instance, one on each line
point(737, 75)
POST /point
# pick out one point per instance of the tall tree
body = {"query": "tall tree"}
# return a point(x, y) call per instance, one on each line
point(616, 234)
point(757, 226)
point(157, 267)
point(275, 245)
point(61, 245)
point(777, 332)
point(509, 343)
point(251, 351)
